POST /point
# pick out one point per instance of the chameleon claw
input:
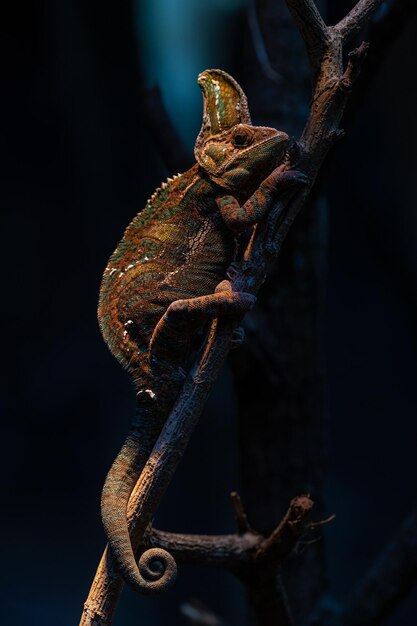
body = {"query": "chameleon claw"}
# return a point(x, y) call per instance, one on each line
point(182, 373)
point(238, 337)
point(292, 178)
point(233, 271)
point(302, 178)
point(271, 248)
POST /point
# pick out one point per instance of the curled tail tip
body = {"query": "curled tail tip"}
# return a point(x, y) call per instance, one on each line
point(157, 572)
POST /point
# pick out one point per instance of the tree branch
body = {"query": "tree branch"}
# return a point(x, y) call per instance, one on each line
point(230, 552)
point(312, 27)
point(309, 21)
point(239, 552)
point(282, 540)
point(240, 514)
point(329, 101)
point(266, 589)
point(250, 556)
point(350, 25)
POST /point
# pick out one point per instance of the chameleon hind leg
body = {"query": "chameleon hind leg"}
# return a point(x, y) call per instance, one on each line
point(184, 317)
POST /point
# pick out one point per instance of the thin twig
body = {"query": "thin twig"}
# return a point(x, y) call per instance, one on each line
point(356, 58)
point(240, 514)
point(283, 540)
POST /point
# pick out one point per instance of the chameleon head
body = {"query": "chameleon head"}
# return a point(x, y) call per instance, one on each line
point(232, 151)
point(243, 156)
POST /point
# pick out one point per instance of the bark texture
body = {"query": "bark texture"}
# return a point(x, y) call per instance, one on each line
point(281, 425)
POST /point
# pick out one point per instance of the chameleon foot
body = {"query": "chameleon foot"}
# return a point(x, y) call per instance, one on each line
point(184, 317)
point(238, 337)
point(233, 271)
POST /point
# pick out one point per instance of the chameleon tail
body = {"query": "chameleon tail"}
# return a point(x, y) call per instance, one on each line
point(156, 569)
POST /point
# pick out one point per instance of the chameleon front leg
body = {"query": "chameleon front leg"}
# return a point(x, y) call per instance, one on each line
point(184, 317)
point(238, 218)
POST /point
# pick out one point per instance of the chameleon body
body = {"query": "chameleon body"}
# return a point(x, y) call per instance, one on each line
point(167, 278)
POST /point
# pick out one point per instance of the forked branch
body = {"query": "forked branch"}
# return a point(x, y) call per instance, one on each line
point(239, 553)
point(354, 21)
point(313, 29)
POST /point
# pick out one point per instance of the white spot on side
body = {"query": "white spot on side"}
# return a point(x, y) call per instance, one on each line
point(170, 274)
point(149, 392)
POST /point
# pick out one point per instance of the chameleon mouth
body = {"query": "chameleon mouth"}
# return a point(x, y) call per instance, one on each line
point(280, 139)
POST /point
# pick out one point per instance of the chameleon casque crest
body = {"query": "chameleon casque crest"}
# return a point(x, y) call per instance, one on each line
point(167, 279)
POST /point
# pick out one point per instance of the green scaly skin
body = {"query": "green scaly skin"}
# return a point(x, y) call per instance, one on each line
point(166, 279)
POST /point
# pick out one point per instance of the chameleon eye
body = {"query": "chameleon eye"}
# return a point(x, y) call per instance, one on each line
point(241, 138)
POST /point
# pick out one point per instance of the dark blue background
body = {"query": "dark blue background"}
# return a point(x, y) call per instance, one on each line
point(77, 162)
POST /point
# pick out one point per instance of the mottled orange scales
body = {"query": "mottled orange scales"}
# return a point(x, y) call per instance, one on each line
point(166, 280)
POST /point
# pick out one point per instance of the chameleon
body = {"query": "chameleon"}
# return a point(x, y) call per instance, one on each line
point(168, 278)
